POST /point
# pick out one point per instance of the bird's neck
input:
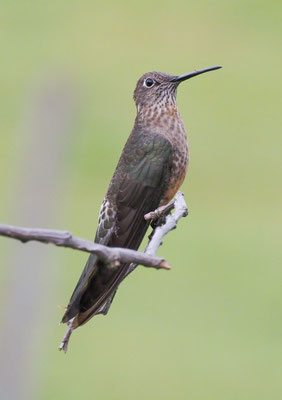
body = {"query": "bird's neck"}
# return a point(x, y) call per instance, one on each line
point(162, 118)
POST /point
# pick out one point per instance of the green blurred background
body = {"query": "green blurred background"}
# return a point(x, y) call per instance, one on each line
point(209, 328)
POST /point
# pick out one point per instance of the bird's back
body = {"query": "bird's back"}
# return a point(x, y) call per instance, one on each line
point(137, 187)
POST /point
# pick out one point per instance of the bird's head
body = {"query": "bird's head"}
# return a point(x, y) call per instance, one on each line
point(158, 88)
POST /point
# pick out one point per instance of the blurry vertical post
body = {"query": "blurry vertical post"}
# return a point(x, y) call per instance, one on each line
point(36, 194)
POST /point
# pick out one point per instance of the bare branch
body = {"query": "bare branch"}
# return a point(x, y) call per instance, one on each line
point(66, 338)
point(65, 239)
point(181, 210)
point(171, 221)
point(112, 256)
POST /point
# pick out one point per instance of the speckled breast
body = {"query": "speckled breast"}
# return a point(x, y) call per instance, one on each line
point(180, 157)
point(164, 119)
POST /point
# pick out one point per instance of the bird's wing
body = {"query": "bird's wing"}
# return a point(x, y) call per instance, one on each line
point(144, 178)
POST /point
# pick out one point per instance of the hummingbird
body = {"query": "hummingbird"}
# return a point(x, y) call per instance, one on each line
point(150, 170)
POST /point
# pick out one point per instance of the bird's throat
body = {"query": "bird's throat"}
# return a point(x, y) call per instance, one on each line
point(162, 119)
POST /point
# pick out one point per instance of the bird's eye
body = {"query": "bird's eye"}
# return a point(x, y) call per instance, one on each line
point(148, 82)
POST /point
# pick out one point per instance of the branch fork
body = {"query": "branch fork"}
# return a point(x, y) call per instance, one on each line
point(112, 256)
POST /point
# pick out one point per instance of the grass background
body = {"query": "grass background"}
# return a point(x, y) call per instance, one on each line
point(209, 328)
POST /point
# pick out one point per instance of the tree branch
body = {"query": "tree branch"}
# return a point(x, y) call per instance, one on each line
point(171, 221)
point(112, 256)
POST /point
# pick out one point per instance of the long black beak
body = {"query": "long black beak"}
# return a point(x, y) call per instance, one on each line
point(182, 78)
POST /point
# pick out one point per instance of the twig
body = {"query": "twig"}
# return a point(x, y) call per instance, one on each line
point(66, 338)
point(171, 221)
point(112, 256)
point(181, 210)
point(65, 239)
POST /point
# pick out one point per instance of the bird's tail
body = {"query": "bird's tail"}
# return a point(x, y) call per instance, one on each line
point(94, 291)
point(89, 271)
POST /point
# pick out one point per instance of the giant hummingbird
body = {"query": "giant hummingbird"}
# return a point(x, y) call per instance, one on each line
point(151, 169)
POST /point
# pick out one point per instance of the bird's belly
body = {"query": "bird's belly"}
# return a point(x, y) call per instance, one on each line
point(178, 173)
point(174, 185)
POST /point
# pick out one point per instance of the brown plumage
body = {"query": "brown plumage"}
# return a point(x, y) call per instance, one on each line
point(151, 169)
